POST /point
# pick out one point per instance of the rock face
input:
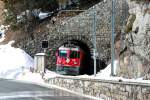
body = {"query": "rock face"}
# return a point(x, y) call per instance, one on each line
point(135, 58)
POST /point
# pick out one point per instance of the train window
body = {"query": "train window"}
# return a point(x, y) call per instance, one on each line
point(63, 53)
point(74, 54)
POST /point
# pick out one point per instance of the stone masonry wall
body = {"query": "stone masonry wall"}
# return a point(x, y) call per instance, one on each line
point(79, 28)
point(108, 90)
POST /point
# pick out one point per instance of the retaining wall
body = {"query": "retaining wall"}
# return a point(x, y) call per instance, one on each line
point(106, 89)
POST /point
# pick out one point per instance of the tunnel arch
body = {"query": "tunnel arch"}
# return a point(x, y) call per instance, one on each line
point(82, 41)
point(87, 67)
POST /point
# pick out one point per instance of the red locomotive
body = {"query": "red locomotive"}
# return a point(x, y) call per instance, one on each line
point(69, 60)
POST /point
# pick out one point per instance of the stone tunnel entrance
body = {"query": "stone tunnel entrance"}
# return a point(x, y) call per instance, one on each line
point(84, 44)
point(86, 67)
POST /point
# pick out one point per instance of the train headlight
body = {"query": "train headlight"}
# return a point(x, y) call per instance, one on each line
point(68, 60)
point(59, 61)
point(75, 63)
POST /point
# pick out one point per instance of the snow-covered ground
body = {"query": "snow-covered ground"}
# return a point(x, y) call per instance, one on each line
point(106, 75)
point(13, 61)
point(16, 64)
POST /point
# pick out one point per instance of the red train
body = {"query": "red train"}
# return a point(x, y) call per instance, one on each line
point(76, 61)
point(69, 60)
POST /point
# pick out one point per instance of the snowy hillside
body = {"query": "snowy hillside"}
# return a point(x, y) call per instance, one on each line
point(13, 61)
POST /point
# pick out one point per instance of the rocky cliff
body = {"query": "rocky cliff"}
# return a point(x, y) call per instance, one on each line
point(135, 55)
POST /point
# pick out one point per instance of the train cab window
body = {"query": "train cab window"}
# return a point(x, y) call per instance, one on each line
point(74, 54)
point(62, 53)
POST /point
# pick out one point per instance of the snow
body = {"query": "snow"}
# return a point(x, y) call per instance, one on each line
point(13, 61)
point(43, 15)
point(16, 64)
point(30, 77)
point(36, 77)
point(107, 71)
point(106, 75)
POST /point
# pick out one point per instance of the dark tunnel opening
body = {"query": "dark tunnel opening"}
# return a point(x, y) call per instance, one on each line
point(87, 66)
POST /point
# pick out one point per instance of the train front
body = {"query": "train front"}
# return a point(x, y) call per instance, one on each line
point(68, 60)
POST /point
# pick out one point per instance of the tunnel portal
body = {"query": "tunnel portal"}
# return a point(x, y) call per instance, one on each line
point(87, 65)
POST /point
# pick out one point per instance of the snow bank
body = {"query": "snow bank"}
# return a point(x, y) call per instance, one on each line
point(30, 77)
point(107, 71)
point(16, 64)
point(106, 75)
point(13, 61)
point(36, 77)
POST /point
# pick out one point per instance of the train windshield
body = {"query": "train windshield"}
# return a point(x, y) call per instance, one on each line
point(74, 54)
point(63, 53)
